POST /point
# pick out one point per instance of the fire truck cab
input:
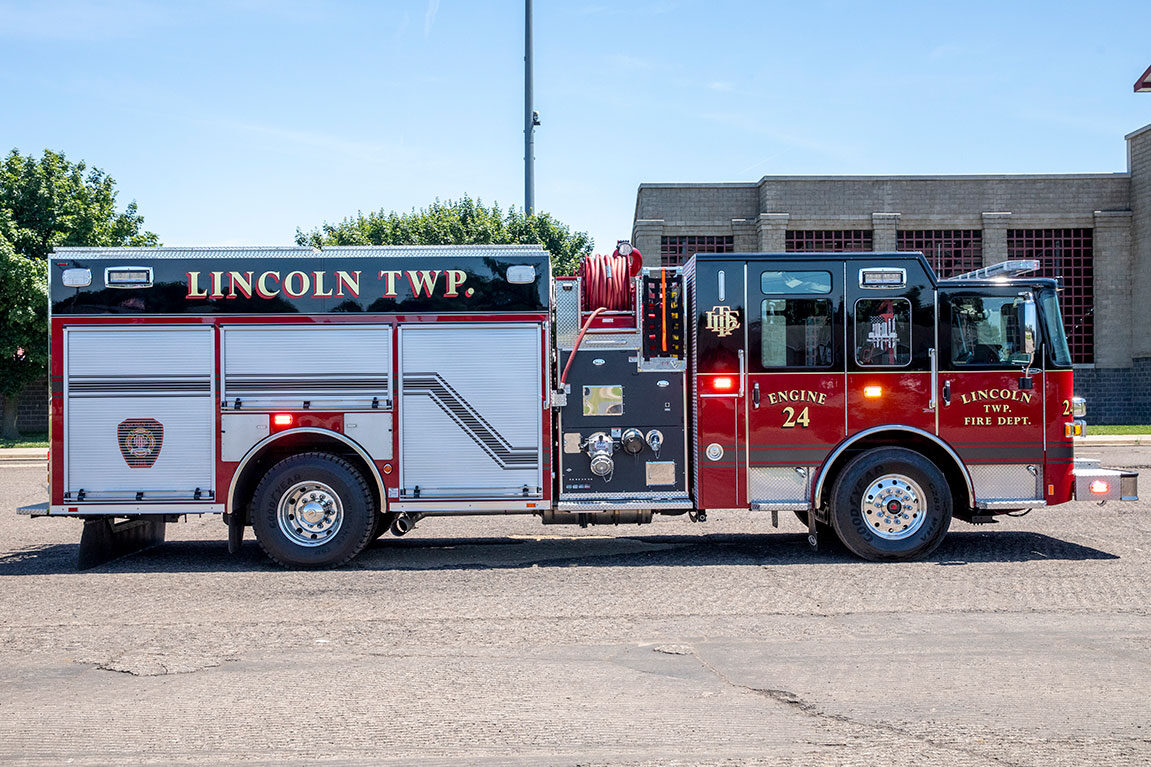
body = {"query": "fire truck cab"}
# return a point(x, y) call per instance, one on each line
point(860, 387)
point(323, 398)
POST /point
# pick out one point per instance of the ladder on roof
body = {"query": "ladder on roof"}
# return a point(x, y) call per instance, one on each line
point(1002, 269)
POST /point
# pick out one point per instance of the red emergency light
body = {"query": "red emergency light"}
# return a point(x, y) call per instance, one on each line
point(723, 383)
point(1099, 487)
point(282, 420)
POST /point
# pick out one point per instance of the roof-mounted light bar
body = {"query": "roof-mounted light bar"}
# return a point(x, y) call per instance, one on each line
point(1002, 269)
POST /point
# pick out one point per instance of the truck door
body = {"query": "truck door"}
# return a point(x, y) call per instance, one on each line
point(471, 409)
point(994, 425)
point(891, 334)
point(138, 413)
point(717, 308)
point(796, 377)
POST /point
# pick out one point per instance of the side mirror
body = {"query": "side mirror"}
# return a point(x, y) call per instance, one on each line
point(1027, 319)
point(1028, 323)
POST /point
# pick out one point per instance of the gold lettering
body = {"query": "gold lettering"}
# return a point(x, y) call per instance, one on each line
point(300, 277)
point(237, 280)
point(389, 277)
point(455, 278)
point(217, 284)
point(318, 285)
point(424, 279)
point(194, 286)
point(349, 281)
point(262, 289)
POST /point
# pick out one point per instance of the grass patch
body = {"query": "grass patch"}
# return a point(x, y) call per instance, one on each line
point(1119, 429)
point(27, 440)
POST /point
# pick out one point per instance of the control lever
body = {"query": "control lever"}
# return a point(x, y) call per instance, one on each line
point(755, 394)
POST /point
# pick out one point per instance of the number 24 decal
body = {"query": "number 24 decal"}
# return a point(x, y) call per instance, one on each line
point(791, 420)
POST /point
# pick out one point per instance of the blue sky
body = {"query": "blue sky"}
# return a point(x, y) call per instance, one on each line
point(236, 123)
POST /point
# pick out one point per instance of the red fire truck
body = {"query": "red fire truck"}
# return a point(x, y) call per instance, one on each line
point(325, 397)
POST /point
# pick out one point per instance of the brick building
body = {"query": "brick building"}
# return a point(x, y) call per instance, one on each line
point(1093, 230)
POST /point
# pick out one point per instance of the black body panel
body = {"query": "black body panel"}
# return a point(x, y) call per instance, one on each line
point(646, 405)
point(218, 281)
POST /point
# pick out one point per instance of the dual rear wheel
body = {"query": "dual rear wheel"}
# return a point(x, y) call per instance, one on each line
point(314, 510)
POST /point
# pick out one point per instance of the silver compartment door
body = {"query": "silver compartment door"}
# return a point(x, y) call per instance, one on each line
point(471, 410)
point(335, 367)
point(118, 384)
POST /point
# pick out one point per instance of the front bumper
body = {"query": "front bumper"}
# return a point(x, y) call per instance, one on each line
point(1098, 484)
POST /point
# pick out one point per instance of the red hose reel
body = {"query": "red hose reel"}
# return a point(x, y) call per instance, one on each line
point(606, 285)
point(606, 281)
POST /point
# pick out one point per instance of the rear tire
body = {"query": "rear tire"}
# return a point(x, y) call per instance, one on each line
point(891, 504)
point(313, 510)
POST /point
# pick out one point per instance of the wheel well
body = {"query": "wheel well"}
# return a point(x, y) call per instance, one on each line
point(930, 449)
point(294, 444)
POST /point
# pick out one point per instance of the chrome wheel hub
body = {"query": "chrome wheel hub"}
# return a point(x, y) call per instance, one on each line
point(894, 507)
point(310, 513)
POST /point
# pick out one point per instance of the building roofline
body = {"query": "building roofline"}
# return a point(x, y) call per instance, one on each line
point(1138, 132)
point(957, 177)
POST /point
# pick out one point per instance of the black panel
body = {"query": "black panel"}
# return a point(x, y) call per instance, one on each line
point(719, 322)
point(231, 285)
point(662, 310)
point(646, 405)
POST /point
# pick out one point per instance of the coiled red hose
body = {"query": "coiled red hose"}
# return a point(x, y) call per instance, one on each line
point(605, 286)
point(606, 281)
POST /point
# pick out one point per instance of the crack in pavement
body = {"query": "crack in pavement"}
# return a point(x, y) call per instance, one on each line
point(796, 703)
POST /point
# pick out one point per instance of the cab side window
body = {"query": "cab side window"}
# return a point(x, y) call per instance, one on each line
point(984, 330)
point(883, 332)
point(795, 332)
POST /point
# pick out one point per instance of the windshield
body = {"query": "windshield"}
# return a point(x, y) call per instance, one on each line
point(1053, 327)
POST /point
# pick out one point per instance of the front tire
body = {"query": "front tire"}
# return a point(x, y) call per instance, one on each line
point(313, 510)
point(891, 504)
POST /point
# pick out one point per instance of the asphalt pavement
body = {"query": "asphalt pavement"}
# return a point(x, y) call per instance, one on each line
point(496, 640)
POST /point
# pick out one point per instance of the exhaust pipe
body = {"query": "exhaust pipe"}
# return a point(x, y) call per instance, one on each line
point(403, 524)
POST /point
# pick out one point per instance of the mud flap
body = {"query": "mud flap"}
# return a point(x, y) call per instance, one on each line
point(235, 533)
point(104, 539)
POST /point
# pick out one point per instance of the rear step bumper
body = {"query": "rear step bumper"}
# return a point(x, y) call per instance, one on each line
point(1095, 483)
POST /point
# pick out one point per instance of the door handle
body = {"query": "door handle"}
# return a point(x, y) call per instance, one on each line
point(755, 394)
point(947, 392)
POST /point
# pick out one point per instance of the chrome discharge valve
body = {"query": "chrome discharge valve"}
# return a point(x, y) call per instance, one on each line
point(600, 448)
point(632, 441)
point(655, 440)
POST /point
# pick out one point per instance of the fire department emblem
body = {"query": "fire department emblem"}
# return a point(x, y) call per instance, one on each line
point(140, 441)
point(722, 320)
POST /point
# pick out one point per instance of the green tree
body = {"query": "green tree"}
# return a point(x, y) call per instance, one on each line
point(457, 222)
point(23, 327)
point(45, 203)
point(53, 202)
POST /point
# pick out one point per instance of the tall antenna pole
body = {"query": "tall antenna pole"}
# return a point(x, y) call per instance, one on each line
point(530, 120)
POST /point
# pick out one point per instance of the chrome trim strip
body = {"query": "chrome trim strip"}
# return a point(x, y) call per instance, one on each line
point(780, 506)
point(831, 459)
point(608, 506)
point(121, 509)
point(1011, 503)
point(256, 448)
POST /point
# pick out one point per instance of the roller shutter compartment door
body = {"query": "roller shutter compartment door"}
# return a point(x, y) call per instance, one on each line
point(139, 415)
point(333, 367)
point(471, 411)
